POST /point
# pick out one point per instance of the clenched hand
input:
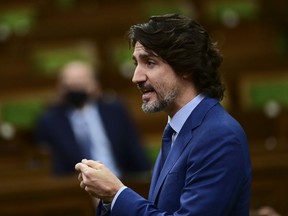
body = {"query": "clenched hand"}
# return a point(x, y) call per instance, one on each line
point(98, 180)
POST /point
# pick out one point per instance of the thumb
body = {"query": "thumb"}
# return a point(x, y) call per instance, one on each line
point(91, 163)
point(80, 167)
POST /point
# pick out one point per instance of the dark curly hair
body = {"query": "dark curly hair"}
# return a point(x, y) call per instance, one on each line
point(186, 46)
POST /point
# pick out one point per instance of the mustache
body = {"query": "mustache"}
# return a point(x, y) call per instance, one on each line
point(144, 87)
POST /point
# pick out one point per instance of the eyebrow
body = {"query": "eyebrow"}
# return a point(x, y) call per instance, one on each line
point(141, 56)
point(144, 56)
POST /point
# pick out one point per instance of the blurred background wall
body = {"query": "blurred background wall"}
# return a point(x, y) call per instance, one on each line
point(39, 36)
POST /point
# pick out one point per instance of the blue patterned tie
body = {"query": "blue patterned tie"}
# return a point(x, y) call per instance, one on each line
point(166, 142)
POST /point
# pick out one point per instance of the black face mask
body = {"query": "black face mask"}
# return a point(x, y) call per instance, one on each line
point(76, 98)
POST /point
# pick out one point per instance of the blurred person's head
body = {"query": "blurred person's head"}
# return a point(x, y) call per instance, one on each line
point(77, 84)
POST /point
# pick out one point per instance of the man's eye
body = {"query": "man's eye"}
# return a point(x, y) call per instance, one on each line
point(150, 63)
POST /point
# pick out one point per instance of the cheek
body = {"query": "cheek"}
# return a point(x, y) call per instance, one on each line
point(163, 80)
point(164, 88)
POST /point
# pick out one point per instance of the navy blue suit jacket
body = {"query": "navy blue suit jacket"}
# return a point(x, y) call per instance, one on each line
point(207, 172)
point(55, 129)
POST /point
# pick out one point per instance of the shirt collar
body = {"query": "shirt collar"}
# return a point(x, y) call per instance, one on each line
point(178, 120)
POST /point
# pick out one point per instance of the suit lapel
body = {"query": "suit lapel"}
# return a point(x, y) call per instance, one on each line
point(155, 175)
point(183, 138)
point(176, 151)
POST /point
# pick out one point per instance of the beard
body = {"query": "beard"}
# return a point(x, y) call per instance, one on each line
point(160, 104)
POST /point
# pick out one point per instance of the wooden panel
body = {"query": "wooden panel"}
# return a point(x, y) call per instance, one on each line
point(270, 189)
point(44, 196)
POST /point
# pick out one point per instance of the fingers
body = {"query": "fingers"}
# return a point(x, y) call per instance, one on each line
point(91, 163)
point(82, 185)
point(79, 167)
point(85, 164)
point(85, 167)
point(80, 177)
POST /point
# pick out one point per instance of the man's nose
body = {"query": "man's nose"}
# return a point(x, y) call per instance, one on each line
point(139, 75)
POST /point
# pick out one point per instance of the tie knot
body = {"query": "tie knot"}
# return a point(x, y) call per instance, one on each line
point(168, 132)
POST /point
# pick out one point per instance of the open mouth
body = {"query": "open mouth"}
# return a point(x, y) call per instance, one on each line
point(147, 93)
point(146, 90)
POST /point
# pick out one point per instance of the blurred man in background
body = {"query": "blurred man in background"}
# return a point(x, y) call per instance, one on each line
point(84, 123)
